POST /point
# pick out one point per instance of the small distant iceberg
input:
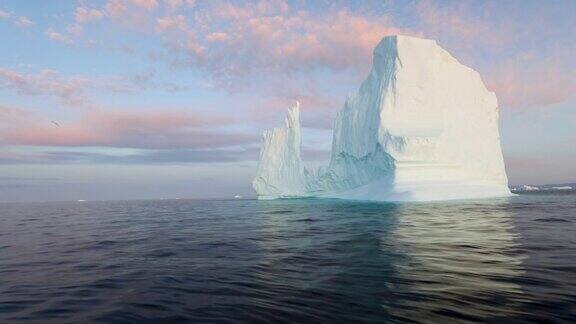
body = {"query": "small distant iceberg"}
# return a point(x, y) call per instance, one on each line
point(422, 127)
point(563, 188)
point(542, 188)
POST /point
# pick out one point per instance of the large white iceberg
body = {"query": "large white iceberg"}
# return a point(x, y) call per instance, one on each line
point(422, 127)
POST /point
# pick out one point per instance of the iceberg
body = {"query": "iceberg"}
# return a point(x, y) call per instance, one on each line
point(562, 188)
point(422, 127)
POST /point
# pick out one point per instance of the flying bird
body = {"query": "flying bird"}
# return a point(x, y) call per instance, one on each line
point(55, 123)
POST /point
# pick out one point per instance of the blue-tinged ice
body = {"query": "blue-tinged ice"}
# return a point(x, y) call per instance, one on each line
point(422, 127)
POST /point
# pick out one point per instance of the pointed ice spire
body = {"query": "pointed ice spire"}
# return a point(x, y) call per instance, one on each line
point(293, 116)
point(280, 170)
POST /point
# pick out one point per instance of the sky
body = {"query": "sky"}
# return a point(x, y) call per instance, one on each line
point(140, 99)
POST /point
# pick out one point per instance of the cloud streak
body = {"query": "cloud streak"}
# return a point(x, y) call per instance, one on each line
point(79, 90)
point(70, 90)
point(146, 157)
point(160, 129)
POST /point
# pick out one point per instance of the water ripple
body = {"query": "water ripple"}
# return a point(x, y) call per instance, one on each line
point(304, 260)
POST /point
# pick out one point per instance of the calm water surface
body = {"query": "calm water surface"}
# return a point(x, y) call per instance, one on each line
point(289, 261)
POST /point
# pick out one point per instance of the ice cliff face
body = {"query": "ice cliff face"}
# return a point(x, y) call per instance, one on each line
point(421, 127)
point(281, 172)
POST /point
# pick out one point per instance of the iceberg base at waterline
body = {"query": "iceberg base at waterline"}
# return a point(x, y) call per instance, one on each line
point(422, 127)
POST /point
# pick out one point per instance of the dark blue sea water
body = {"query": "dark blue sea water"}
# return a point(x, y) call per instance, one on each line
point(227, 261)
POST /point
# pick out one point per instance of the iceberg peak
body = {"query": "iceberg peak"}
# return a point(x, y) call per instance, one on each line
point(280, 170)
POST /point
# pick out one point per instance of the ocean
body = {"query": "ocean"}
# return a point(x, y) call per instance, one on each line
point(289, 261)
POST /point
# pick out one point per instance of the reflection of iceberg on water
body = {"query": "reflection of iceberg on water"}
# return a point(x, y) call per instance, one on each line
point(421, 127)
point(453, 264)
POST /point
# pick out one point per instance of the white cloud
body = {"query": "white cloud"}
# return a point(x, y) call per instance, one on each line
point(24, 21)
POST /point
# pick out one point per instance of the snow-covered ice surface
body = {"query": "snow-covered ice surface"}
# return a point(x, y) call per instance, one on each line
point(422, 127)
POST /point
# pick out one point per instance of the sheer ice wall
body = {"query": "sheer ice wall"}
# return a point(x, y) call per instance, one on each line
point(421, 127)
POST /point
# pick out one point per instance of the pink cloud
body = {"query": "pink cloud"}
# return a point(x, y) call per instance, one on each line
point(529, 81)
point(74, 30)
point(237, 41)
point(70, 90)
point(454, 20)
point(172, 22)
point(13, 79)
point(24, 21)
point(193, 46)
point(4, 14)
point(11, 114)
point(173, 4)
point(158, 129)
point(83, 15)
point(80, 90)
point(466, 29)
point(11, 118)
point(146, 4)
point(230, 40)
point(137, 15)
point(115, 8)
point(217, 37)
point(56, 36)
